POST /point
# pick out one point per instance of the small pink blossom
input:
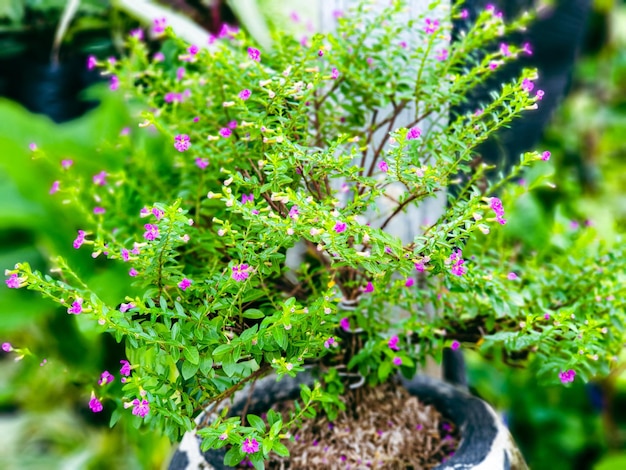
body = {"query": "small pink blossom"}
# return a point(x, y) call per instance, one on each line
point(464, 14)
point(494, 64)
point(245, 94)
point(133, 272)
point(250, 446)
point(334, 74)
point(420, 266)
point(125, 369)
point(114, 83)
point(512, 276)
point(193, 49)
point(141, 408)
point(393, 343)
point(67, 163)
point(442, 55)
point(126, 307)
point(232, 125)
point(397, 361)
point(526, 47)
point(383, 166)
point(158, 57)
point(567, 376)
point(184, 284)
point(527, 85)
point(99, 210)
point(92, 62)
point(409, 282)
point(159, 25)
point(545, 156)
point(456, 258)
point(245, 198)
point(80, 239)
point(182, 142)
point(180, 73)
point(225, 132)
point(7, 347)
point(105, 378)
point(455, 345)
point(240, 273)
point(13, 282)
point(414, 133)
point(202, 163)
point(505, 50)
point(539, 95)
point(77, 307)
point(496, 205)
point(431, 26)
point(369, 287)
point(100, 178)
point(94, 404)
point(254, 54)
point(340, 227)
point(344, 323)
point(329, 342)
point(55, 187)
point(293, 212)
point(125, 254)
point(32, 146)
point(152, 232)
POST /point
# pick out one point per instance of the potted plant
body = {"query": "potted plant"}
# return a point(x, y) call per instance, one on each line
point(245, 154)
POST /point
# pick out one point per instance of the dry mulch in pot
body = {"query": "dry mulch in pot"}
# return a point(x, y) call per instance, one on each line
point(383, 428)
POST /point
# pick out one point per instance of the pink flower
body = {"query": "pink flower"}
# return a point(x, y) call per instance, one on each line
point(527, 85)
point(393, 343)
point(504, 49)
point(184, 284)
point(7, 347)
point(13, 282)
point(329, 342)
point(494, 64)
point(100, 178)
point(320, 53)
point(77, 307)
point(539, 95)
point(159, 25)
point(125, 370)
point(464, 14)
point(455, 345)
point(340, 227)
point(247, 198)
point(158, 57)
point(383, 166)
point(419, 266)
point(99, 210)
point(180, 73)
point(250, 446)
point(431, 26)
point(202, 163)
point(80, 239)
point(527, 48)
point(245, 94)
point(193, 49)
point(293, 212)
point(141, 408)
point(126, 307)
point(344, 323)
point(442, 55)
point(254, 54)
point(232, 125)
point(55, 187)
point(545, 156)
point(92, 62)
point(125, 254)
point(511, 276)
point(133, 272)
point(225, 132)
point(567, 376)
point(369, 287)
point(240, 273)
point(496, 205)
point(456, 258)
point(409, 282)
point(65, 164)
point(414, 133)
point(32, 146)
point(157, 213)
point(334, 74)
point(95, 404)
point(105, 378)
point(152, 232)
point(182, 142)
point(114, 83)
point(397, 361)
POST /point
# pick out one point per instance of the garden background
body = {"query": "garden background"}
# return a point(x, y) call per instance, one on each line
point(45, 421)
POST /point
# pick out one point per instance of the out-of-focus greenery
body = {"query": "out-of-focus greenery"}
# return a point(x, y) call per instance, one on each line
point(579, 427)
point(33, 224)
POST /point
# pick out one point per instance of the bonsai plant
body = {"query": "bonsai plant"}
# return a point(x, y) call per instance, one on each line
point(263, 150)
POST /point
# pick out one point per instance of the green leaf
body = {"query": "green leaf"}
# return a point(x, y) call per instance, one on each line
point(234, 456)
point(256, 422)
point(384, 370)
point(192, 355)
point(189, 370)
point(253, 313)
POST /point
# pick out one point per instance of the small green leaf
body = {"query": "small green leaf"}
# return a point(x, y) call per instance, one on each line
point(189, 370)
point(256, 422)
point(192, 355)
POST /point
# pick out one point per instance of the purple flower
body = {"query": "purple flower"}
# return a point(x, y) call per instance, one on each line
point(293, 212)
point(225, 132)
point(105, 378)
point(141, 408)
point(65, 164)
point(245, 94)
point(545, 156)
point(100, 178)
point(159, 25)
point(158, 57)
point(126, 307)
point(419, 266)
point(193, 49)
point(54, 188)
point(329, 342)
point(504, 49)
point(180, 73)
point(250, 446)
point(232, 125)
point(99, 210)
point(158, 213)
point(397, 361)
point(431, 26)
point(114, 83)
point(344, 323)
point(77, 307)
point(539, 95)
point(442, 55)
point(334, 74)
point(182, 142)
point(455, 345)
point(369, 287)
point(240, 273)
point(95, 404)
point(125, 370)
point(202, 163)
point(247, 198)
point(184, 284)
point(527, 85)
point(567, 376)
point(152, 232)
point(383, 166)
point(464, 14)
point(511, 276)
point(7, 347)
point(496, 205)
point(13, 282)
point(254, 54)
point(409, 282)
point(456, 258)
point(92, 62)
point(393, 343)
point(414, 133)
point(526, 47)
point(133, 272)
point(340, 227)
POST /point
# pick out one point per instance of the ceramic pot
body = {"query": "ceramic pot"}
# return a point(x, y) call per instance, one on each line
point(485, 443)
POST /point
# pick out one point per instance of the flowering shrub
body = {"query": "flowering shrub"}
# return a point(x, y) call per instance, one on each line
point(274, 149)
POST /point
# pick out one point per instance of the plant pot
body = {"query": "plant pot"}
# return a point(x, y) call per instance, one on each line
point(485, 443)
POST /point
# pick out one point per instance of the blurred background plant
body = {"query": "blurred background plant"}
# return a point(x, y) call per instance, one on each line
point(558, 428)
